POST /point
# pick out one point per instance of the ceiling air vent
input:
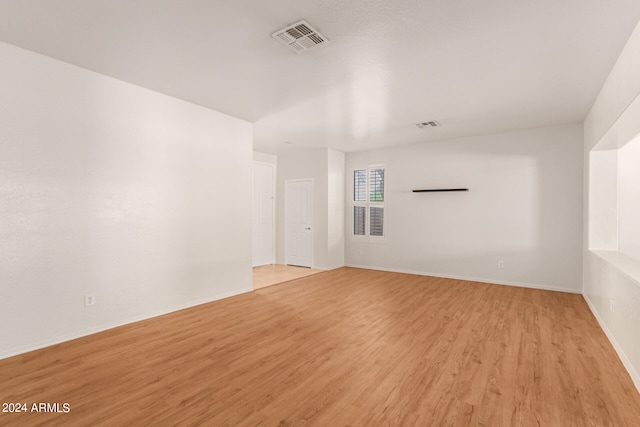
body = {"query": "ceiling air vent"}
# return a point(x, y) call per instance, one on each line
point(431, 124)
point(299, 37)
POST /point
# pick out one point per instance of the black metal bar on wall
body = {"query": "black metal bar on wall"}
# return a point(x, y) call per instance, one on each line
point(440, 189)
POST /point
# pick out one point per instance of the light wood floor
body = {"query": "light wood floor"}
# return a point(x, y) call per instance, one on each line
point(344, 347)
point(269, 275)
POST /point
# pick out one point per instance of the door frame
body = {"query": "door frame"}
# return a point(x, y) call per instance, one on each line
point(274, 188)
point(313, 229)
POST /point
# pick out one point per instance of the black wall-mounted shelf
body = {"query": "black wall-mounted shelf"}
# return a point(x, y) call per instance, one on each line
point(440, 190)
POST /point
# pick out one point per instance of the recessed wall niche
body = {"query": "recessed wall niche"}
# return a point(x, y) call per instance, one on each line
point(614, 195)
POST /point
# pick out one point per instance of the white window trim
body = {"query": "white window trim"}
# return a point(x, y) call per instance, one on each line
point(367, 204)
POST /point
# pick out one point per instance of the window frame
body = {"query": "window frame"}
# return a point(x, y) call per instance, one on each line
point(368, 204)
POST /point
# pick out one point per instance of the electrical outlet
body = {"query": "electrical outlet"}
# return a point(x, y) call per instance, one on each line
point(89, 300)
point(612, 306)
point(500, 263)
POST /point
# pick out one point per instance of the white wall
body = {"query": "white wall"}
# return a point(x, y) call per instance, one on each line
point(629, 199)
point(335, 229)
point(111, 189)
point(326, 168)
point(618, 92)
point(523, 206)
point(305, 164)
point(603, 200)
point(612, 295)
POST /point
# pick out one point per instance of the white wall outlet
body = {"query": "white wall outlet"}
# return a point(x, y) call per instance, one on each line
point(500, 263)
point(612, 305)
point(89, 300)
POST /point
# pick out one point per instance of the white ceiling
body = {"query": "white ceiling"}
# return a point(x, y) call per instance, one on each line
point(476, 67)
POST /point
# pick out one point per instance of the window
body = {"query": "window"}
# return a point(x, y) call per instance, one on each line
point(368, 203)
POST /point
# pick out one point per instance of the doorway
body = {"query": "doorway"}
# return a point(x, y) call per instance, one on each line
point(298, 223)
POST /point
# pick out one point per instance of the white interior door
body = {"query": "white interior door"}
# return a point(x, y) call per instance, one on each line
point(263, 207)
point(298, 220)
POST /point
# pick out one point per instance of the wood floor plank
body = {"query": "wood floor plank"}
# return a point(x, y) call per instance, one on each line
point(345, 347)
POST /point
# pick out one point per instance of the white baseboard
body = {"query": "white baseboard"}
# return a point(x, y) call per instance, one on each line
point(470, 279)
point(621, 354)
point(94, 330)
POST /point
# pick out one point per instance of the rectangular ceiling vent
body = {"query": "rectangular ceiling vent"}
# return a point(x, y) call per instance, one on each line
point(299, 37)
point(431, 124)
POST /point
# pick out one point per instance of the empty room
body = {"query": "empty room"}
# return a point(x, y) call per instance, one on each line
point(329, 213)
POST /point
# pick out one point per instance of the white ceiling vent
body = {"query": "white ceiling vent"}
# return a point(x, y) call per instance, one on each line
point(299, 37)
point(431, 124)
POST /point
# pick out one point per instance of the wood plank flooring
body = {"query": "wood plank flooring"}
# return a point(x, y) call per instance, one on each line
point(346, 347)
point(274, 274)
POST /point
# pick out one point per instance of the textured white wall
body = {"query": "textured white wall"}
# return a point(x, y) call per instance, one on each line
point(615, 112)
point(629, 199)
point(111, 189)
point(524, 206)
point(603, 200)
point(326, 168)
point(305, 164)
point(618, 92)
point(335, 208)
